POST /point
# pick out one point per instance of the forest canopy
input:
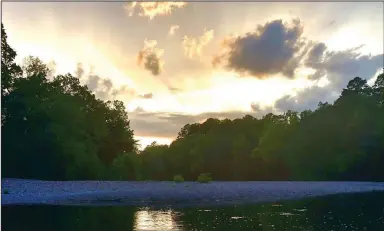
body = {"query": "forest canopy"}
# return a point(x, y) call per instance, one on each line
point(56, 129)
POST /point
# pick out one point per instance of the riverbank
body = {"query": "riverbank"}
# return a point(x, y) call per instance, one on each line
point(28, 192)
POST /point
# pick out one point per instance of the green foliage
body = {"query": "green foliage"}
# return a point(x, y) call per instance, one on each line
point(178, 178)
point(126, 167)
point(55, 128)
point(204, 178)
point(154, 163)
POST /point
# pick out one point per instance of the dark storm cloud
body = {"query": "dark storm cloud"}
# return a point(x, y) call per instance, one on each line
point(272, 48)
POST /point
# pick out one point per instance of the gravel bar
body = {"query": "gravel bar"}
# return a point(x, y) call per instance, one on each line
point(165, 193)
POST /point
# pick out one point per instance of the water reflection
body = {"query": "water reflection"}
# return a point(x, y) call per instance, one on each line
point(147, 219)
point(360, 212)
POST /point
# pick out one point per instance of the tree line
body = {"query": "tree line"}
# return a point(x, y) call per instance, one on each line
point(54, 128)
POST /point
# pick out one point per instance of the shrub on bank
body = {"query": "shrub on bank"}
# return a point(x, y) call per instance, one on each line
point(204, 178)
point(178, 178)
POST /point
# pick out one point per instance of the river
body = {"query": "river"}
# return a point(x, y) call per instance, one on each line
point(344, 212)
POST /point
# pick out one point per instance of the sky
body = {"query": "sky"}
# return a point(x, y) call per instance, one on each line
point(174, 63)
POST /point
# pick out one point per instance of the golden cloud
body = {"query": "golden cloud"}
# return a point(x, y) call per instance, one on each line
point(152, 9)
point(173, 29)
point(193, 46)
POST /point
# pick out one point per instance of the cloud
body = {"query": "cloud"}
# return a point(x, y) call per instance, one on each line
point(315, 55)
point(173, 89)
point(79, 72)
point(193, 46)
point(163, 124)
point(150, 57)
point(331, 23)
point(152, 9)
point(280, 48)
point(146, 96)
point(338, 68)
point(173, 29)
point(306, 99)
point(341, 66)
point(103, 88)
point(270, 49)
point(130, 8)
point(256, 108)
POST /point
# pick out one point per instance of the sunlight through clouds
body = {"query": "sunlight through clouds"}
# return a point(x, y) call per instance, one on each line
point(262, 52)
point(147, 140)
point(193, 47)
point(152, 9)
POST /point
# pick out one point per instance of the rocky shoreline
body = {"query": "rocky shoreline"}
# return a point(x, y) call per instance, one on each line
point(155, 193)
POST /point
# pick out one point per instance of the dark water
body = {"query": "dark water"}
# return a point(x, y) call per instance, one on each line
point(360, 212)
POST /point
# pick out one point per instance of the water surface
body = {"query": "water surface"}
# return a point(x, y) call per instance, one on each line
point(348, 212)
